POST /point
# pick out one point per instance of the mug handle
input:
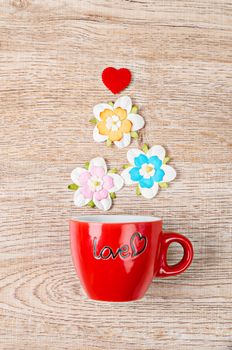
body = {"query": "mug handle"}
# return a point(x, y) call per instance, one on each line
point(164, 269)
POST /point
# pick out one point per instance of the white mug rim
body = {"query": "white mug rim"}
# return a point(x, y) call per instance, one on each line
point(115, 219)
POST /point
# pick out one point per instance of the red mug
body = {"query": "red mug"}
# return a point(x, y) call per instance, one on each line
point(117, 256)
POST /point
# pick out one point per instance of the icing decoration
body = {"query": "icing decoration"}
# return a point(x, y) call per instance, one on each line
point(116, 80)
point(147, 169)
point(116, 122)
point(94, 185)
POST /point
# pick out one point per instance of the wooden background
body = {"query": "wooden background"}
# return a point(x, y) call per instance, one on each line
point(52, 54)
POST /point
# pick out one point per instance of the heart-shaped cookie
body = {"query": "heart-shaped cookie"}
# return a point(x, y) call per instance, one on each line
point(116, 80)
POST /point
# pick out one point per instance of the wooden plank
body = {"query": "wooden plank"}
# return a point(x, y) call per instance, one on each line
point(51, 57)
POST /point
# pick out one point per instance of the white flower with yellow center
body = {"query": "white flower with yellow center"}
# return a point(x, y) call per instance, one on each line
point(117, 122)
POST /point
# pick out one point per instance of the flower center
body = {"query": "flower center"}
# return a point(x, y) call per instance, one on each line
point(95, 184)
point(147, 170)
point(113, 123)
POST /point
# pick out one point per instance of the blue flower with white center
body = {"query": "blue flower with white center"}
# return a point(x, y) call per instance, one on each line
point(148, 170)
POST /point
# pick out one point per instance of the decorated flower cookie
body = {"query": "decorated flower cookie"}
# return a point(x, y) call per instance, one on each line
point(148, 170)
point(116, 122)
point(94, 186)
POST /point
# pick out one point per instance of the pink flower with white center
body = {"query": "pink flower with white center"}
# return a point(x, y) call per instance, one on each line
point(95, 184)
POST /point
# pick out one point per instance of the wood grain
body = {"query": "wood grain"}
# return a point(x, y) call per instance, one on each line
point(51, 57)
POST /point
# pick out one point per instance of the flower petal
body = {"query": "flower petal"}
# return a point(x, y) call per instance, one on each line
point(170, 173)
point(102, 128)
point(124, 102)
point(158, 151)
point(135, 174)
point(132, 154)
point(100, 108)
point(155, 161)
point(140, 160)
point(79, 199)
point(126, 176)
point(159, 175)
point(146, 183)
point(102, 194)
point(137, 121)
point(84, 177)
point(107, 113)
point(118, 182)
point(116, 135)
point(98, 162)
point(126, 126)
point(108, 182)
point(121, 113)
point(75, 174)
point(97, 171)
point(149, 192)
point(98, 137)
point(124, 142)
point(86, 191)
point(104, 204)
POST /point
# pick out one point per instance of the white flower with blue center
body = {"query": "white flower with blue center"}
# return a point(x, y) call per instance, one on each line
point(148, 170)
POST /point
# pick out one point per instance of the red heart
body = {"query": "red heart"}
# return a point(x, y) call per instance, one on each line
point(116, 80)
point(138, 243)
